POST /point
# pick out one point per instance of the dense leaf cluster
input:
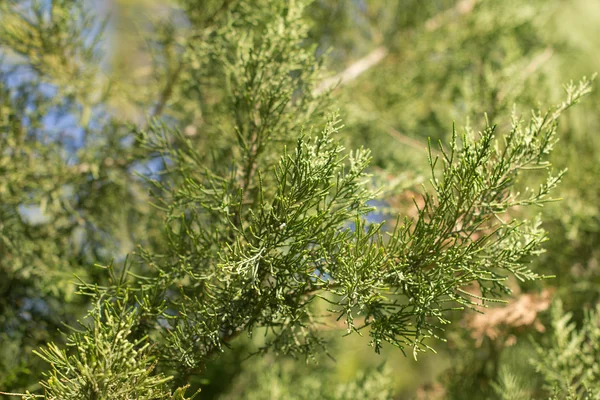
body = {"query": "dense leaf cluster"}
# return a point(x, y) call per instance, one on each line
point(258, 217)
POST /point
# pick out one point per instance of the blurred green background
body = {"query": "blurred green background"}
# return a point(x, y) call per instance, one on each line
point(445, 62)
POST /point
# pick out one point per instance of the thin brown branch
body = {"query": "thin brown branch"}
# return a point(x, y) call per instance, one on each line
point(536, 63)
point(250, 167)
point(167, 91)
point(463, 7)
point(407, 140)
point(20, 394)
point(354, 70)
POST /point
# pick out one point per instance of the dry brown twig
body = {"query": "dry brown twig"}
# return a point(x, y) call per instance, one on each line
point(354, 70)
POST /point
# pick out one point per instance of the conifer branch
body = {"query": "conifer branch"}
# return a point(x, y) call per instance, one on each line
point(259, 221)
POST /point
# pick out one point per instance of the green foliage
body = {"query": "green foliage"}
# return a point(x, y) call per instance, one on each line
point(569, 362)
point(449, 68)
point(510, 387)
point(104, 362)
point(566, 362)
point(277, 381)
point(459, 237)
point(64, 205)
point(257, 264)
point(258, 217)
point(58, 40)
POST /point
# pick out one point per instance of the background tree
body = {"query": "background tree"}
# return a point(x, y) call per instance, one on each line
point(209, 139)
